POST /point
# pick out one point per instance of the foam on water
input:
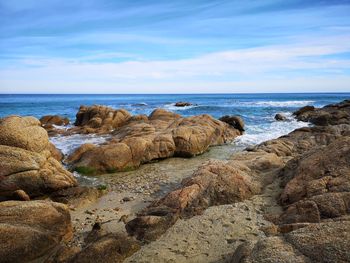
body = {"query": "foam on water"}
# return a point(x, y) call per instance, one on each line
point(256, 134)
point(172, 107)
point(68, 143)
point(288, 103)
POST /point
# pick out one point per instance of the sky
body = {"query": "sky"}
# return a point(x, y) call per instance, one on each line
point(179, 46)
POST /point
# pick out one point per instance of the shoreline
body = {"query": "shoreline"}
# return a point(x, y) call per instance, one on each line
point(208, 210)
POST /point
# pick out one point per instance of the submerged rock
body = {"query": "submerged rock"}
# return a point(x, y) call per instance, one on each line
point(32, 230)
point(27, 159)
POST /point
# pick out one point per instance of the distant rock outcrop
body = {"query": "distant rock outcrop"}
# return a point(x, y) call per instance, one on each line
point(183, 104)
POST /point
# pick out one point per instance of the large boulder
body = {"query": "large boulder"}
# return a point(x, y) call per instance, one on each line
point(162, 135)
point(27, 159)
point(32, 230)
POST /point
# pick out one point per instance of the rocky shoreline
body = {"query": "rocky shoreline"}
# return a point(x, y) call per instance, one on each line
point(285, 200)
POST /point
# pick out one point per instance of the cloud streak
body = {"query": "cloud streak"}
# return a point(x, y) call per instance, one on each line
point(207, 46)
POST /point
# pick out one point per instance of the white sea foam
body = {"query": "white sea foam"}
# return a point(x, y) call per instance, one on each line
point(288, 103)
point(172, 107)
point(68, 143)
point(256, 134)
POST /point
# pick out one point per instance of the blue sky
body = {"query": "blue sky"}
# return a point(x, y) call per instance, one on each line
point(106, 46)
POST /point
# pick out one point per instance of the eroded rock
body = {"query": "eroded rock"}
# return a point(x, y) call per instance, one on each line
point(32, 230)
point(164, 134)
point(28, 160)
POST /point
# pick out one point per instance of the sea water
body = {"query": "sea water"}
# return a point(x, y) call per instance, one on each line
point(257, 110)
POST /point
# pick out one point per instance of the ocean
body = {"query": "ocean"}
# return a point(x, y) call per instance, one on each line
point(257, 110)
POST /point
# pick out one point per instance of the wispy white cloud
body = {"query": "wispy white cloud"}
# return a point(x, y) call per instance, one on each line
point(309, 63)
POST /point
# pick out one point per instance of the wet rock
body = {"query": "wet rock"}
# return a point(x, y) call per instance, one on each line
point(27, 159)
point(32, 230)
point(183, 104)
point(280, 117)
point(235, 121)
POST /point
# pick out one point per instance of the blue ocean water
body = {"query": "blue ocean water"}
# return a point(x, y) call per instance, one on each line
point(257, 110)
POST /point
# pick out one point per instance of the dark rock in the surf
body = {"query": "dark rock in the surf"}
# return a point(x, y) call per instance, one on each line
point(333, 114)
point(54, 120)
point(214, 183)
point(234, 121)
point(30, 231)
point(27, 161)
point(183, 104)
point(280, 117)
point(162, 135)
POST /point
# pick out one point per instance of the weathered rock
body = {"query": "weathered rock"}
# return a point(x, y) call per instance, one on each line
point(27, 159)
point(24, 133)
point(212, 184)
point(319, 171)
point(101, 246)
point(76, 196)
point(280, 117)
point(235, 121)
point(182, 104)
point(325, 242)
point(164, 134)
point(302, 140)
point(303, 110)
point(329, 115)
point(32, 230)
point(100, 119)
point(54, 120)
